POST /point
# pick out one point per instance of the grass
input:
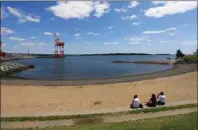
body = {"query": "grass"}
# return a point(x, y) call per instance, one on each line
point(178, 122)
point(145, 110)
point(190, 58)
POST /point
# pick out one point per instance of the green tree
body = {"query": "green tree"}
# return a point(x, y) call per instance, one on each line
point(179, 54)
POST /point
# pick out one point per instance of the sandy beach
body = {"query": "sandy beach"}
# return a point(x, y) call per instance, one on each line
point(37, 98)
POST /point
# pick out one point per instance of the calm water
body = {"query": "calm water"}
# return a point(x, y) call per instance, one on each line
point(86, 67)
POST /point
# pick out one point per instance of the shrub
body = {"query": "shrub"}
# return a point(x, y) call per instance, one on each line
point(190, 58)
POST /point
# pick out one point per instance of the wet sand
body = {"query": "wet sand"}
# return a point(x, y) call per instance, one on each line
point(25, 99)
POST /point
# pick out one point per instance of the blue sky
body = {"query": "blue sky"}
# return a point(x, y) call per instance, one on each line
point(100, 27)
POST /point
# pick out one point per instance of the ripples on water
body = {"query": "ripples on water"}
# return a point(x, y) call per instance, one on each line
point(89, 67)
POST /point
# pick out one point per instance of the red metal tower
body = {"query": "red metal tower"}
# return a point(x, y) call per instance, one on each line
point(2, 54)
point(59, 47)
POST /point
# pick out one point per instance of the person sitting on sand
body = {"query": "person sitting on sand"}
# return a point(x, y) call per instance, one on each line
point(152, 101)
point(136, 102)
point(161, 98)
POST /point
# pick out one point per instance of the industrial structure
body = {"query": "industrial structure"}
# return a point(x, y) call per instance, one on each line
point(2, 54)
point(59, 47)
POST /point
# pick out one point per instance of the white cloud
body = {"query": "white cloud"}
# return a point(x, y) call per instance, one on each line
point(17, 39)
point(79, 9)
point(149, 40)
point(6, 30)
point(15, 46)
point(43, 44)
point(76, 29)
point(72, 9)
point(120, 10)
point(91, 33)
point(33, 37)
point(97, 46)
point(135, 24)
point(185, 25)
point(134, 39)
point(111, 43)
point(77, 35)
point(48, 33)
point(124, 9)
point(133, 43)
point(32, 19)
point(33, 44)
point(51, 34)
point(4, 14)
point(28, 44)
point(101, 8)
point(171, 8)
point(165, 41)
point(129, 17)
point(110, 27)
point(133, 4)
point(22, 17)
point(189, 42)
point(159, 2)
point(172, 33)
point(137, 39)
point(170, 30)
point(14, 11)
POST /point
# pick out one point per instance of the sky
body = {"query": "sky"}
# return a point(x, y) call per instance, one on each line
point(92, 27)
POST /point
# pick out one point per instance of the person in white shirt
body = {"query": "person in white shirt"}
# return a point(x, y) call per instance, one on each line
point(161, 98)
point(136, 102)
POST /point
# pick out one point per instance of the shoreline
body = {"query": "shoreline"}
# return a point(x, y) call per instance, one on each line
point(175, 70)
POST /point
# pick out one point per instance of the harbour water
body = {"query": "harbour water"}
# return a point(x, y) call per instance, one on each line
point(90, 67)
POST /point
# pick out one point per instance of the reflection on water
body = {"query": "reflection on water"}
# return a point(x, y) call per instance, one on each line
point(59, 67)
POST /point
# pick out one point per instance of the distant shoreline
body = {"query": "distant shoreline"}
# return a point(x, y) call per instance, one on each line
point(105, 54)
point(175, 70)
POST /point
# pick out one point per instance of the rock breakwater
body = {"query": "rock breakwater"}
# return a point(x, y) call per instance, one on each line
point(9, 68)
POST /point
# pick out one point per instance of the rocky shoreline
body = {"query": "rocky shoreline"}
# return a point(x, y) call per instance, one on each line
point(8, 68)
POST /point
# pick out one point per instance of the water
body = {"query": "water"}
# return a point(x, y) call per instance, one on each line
point(89, 67)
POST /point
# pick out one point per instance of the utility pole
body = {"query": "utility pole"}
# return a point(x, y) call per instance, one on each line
point(28, 50)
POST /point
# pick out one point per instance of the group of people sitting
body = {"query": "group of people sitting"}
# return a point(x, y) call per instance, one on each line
point(152, 102)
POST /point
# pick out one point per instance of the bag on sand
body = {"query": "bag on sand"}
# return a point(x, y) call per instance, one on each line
point(140, 105)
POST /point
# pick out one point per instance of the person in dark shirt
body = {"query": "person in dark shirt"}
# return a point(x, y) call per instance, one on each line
point(152, 101)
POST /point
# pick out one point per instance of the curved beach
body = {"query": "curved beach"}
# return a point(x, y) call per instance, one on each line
point(23, 98)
